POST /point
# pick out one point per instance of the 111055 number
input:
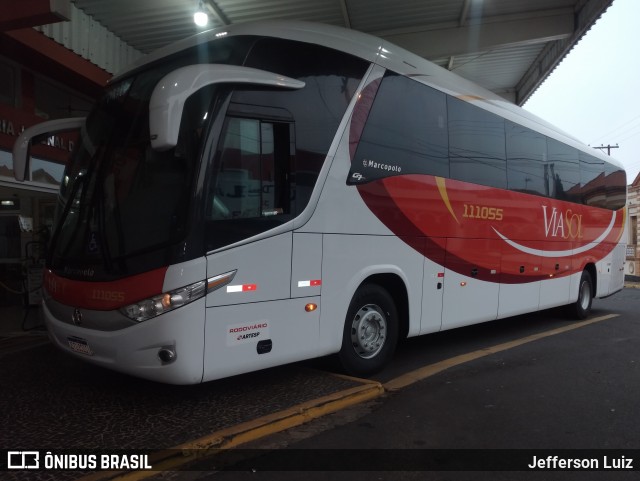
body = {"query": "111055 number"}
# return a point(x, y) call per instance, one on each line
point(482, 212)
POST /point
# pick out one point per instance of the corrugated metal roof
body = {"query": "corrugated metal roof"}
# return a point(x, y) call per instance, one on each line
point(374, 16)
point(144, 24)
point(92, 41)
point(497, 69)
point(492, 8)
point(521, 41)
point(239, 11)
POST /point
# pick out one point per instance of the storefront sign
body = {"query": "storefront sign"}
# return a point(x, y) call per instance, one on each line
point(14, 121)
point(8, 127)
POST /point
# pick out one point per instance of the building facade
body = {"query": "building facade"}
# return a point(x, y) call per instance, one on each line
point(632, 266)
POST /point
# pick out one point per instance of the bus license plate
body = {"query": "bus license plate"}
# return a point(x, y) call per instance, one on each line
point(80, 345)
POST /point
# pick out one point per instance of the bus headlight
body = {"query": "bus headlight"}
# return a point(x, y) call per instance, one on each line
point(165, 302)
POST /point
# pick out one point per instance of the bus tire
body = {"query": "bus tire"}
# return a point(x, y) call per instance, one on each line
point(370, 331)
point(582, 307)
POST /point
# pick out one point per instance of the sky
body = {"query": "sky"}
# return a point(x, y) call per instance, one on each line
point(594, 93)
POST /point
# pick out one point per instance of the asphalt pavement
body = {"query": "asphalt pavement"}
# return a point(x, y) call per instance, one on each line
point(576, 390)
point(492, 395)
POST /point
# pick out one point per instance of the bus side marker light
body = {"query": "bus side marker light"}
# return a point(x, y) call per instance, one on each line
point(312, 283)
point(310, 307)
point(242, 288)
point(463, 283)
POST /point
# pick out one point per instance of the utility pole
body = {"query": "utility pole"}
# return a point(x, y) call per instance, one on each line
point(608, 147)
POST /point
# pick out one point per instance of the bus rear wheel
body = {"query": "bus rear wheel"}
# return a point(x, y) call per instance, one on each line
point(582, 307)
point(370, 331)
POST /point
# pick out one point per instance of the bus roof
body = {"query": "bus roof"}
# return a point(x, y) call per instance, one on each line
point(381, 52)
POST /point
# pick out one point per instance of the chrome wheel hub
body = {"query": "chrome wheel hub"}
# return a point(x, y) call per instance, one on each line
point(368, 331)
point(585, 295)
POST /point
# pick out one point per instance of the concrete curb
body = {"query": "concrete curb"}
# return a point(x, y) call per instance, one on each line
point(171, 459)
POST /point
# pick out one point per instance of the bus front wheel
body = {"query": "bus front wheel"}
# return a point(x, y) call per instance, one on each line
point(370, 331)
point(582, 307)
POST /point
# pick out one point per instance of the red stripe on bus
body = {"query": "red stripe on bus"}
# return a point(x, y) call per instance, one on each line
point(412, 207)
point(101, 295)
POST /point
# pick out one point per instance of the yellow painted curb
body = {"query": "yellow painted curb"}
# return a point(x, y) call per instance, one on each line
point(427, 371)
point(171, 459)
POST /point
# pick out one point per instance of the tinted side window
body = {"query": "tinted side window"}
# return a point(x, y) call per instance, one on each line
point(405, 133)
point(592, 180)
point(331, 78)
point(564, 171)
point(250, 187)
point(252, 170)
point(476, 145)
point(616, 179)
point(526, 158)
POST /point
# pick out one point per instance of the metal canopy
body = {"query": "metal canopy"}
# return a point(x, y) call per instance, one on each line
point(507, 46)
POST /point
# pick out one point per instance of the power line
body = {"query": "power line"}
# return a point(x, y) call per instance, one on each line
point(622, 126)
point(632, 135)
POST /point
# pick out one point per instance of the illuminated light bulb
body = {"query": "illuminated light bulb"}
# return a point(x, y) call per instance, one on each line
point(200, 18)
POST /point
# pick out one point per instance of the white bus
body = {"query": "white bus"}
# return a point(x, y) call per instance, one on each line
point(272, 192)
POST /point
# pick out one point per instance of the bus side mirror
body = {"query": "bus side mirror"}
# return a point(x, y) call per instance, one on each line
point(172, 91)
point(21, 155)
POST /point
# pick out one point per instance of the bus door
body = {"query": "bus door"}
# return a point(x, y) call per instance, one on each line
point(250, 323)
point(617, 268)
point(555, 288)
point(520, 275)
point(471, 281)
point(433, 286)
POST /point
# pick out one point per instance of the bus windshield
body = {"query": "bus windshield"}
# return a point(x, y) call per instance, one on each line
point(125, 208)
point(123, 204)
point(120, 197)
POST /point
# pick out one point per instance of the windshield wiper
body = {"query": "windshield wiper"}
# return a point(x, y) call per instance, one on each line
point(79, 180)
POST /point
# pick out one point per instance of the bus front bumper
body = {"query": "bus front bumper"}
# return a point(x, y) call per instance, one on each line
point(142, 349)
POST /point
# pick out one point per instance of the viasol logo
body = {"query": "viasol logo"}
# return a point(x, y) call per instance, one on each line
point(567, 224)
